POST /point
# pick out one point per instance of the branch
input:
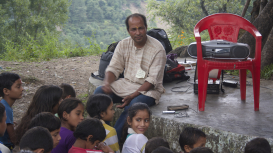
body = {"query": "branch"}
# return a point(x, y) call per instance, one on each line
point(245, 8)
point(262, 5)
point(225, 7)
point(203, 7)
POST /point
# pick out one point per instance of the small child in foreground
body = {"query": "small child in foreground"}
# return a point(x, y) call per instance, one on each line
point(49, 121)
point(138, 122)
point(89, 134)
point(191, 138)
point(71, 114)
point(11, 89)
point(258, 145)
point(201, 150)
point(3, 126)
point(37, 139)
point(100, 106)
point(154, 143)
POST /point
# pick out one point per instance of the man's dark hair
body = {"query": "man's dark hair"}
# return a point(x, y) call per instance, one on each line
point(258, 145)
point(67, 90)
point(154, 143)
point(135, 15)
point(91, 126)
point(67, 106)
point(2, 112)
point(201, 150)
point(98, 103)
point(46, 120)
point(190, 136)
point(162, 149)
point(37, 138)
point(6, 81)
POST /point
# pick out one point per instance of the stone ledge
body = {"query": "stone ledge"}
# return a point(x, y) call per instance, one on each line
point(219, 141)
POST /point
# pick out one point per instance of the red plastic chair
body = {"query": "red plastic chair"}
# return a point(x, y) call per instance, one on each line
point(226, 26)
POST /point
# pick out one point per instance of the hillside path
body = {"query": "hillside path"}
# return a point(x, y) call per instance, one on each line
point(74, 71)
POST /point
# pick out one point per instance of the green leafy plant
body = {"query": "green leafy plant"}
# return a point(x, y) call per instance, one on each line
point(47, 47)
point(267, 72)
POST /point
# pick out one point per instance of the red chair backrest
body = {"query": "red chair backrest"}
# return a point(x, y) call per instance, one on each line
point(224, 26)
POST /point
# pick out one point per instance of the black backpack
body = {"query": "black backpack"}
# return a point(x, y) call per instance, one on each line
point(105, 61)
point(162, 37)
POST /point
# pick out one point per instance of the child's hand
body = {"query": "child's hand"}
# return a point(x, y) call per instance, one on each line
point(102, 146)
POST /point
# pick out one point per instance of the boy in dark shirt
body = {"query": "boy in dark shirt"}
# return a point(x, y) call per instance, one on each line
point(10, 90)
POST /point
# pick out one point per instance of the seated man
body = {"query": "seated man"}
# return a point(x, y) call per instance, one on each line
point(142, 58)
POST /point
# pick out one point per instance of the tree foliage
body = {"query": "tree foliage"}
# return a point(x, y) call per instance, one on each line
point(182, 15)
point(23, 18)
point(102, 18)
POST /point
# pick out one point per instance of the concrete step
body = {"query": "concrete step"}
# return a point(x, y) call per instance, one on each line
point(228, 122)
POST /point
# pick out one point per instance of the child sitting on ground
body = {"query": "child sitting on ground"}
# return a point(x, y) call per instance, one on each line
point(68, 91)
point(37, 139)
point(191, 138)
point(89, 134)
point(138, 122)
point(201, 150)
point(3, 126)
point(71, 114)
point(162, 149)
point(45, 99)
point(10, 90)
point(49, 121)
point(100, 106)
point(154, 143)
point(258, 145)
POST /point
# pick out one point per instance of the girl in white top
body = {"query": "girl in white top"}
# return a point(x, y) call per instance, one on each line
point(138, 121)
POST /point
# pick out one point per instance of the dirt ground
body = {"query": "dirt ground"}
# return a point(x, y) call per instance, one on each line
point(74, 71)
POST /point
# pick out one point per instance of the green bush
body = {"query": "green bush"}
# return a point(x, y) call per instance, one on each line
point(267, 72)
point(47, 48)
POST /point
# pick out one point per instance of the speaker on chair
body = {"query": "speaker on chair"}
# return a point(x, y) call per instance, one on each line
point(220, 49)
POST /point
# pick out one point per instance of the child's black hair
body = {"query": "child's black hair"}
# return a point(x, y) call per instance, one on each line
point(67, 106)
point(132, 111)
point(162, 149)
point(91, 126)
point(25, 151)
point(67, 90)
point(98, 103)
point(46, 120)
point(258, 145)
point(154, 143)
point(6, 81)
point(2, 112)
point(190, 136)
point(201, 150)
point(37, 138)
point(44, 100)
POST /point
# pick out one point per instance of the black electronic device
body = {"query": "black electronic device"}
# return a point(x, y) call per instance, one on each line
point(221, 49)
point(229, 83)
point(213, 87)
